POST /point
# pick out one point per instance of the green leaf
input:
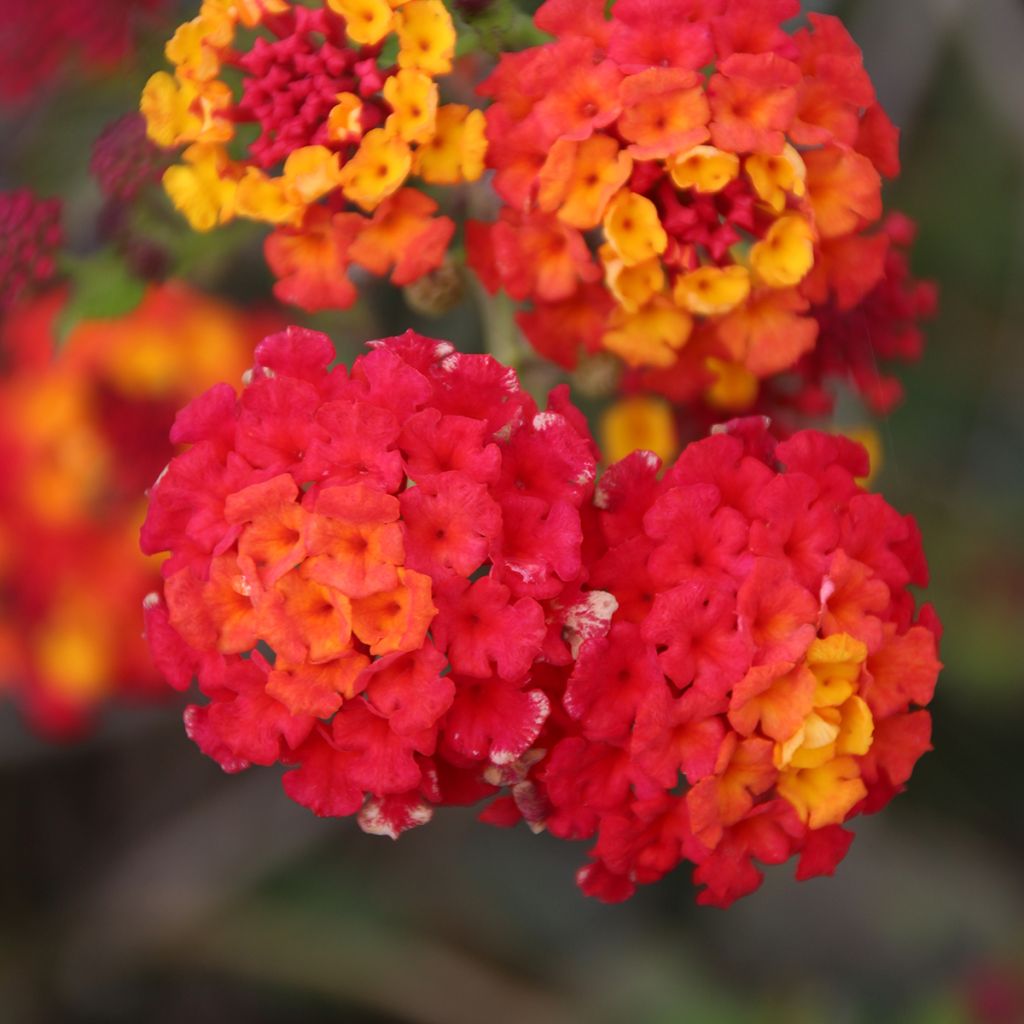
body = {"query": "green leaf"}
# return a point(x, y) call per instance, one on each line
point(102, 287)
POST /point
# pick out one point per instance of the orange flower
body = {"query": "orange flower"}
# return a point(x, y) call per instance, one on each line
point(664, 112)
point(404, 235)
point(311, 261)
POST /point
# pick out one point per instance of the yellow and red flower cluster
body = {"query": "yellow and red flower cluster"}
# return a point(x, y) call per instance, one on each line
point(763, 677)
point(338, 129)
point(366, 568)
point(401, 582)
point(81, 437)
point(685, 198)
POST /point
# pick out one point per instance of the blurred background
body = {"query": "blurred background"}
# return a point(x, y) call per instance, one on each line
point(138, 882)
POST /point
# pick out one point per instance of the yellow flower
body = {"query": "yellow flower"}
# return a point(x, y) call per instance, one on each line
point(651, 336)
point(166, 105)
point(309, 173)
point(785, 255)
point(259, 197)
point(366, 21)
point(73, 648)
point(413, 99)
point(632, 227)
point(819, 775)
point(197, 189)
point(773, 177)
point(872, 442)
point(456, 151)
point(639, 423)
point(704, 169)
point(634, 286)
point(711, 291)
point(249, 12)
point(345, 121)
point(735, 387)
point(192, 47)
point(426, 37)
point(377, 169)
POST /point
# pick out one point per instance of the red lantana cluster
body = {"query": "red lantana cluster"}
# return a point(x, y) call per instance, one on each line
point(366, 568)
point(702, 202)
point(400, 583)
point(762, 679)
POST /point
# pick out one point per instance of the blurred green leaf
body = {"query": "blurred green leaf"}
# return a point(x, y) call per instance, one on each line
point(102, 287)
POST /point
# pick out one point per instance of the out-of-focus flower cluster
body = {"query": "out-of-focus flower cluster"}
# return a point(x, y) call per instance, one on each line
point(30, 235)
point(368, 569)
point(400, 582)
point(704, 201)
point(763, 677)
point(329, 122)
point(82, 435)
point(39, 45)
point(124, 160)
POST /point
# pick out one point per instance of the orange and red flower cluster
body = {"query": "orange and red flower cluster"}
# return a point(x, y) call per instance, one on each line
point(401, 582)
point(692, 199)
point(366, 569)
point(81, 436)
point(764, 672)
point(339, 125)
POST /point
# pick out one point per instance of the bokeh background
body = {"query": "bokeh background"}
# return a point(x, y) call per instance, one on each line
point(138, 882)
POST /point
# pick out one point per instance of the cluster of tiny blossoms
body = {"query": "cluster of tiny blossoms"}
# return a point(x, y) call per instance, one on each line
point(81, 437)
point(365, 569)
point(339, 127)
point(764, 672)
point(686, 199)
point(400, 582)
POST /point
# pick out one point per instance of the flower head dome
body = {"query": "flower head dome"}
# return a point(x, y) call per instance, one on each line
point(685, 199)
point(764, 675)
point(365, 567)
point(337, 107)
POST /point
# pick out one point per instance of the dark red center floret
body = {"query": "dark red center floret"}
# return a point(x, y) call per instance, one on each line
point(292, 82)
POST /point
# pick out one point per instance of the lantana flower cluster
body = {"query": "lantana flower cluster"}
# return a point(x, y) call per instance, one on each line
point(338, 106)
point(400, 583)
point(81, 437)
point(764, 674)
point(687, 185)
point(366, 570)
